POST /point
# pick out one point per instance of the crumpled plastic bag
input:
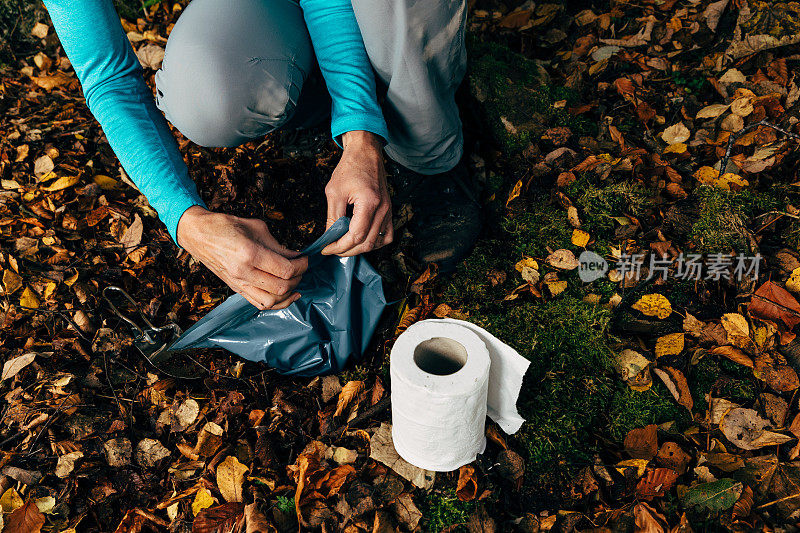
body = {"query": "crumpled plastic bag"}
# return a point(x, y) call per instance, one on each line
point(328, 326)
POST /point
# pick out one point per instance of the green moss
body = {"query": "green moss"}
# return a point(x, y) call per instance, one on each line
point(569, 385)
point(540, 226)
point(631, 409)
point(444, 509)
point(516, 100)
point(599, 205)
point(721, 222)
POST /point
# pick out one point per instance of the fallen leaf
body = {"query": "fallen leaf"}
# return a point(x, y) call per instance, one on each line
point(26, 519)
point(150, 452)
point(580, 238)
point(734, 354)
point(29, 299)
point(677, 385)
point(712, 111)
point(563, 259)
point(202, 500)
point(642, 443)
point(230, 478)
point(61, 183)
point(467, 485)
point(715, 496)
point(735, 325)
point(12, 367)
point(677, 133)
point(133, 234)
point(381, 449)
point(671, 344)
point(774, 303)
point(746, 429)
point(40, 30)
point(655, 305)
point(43, 166)
point(656, 483)
point(347, 395)
point(66, 463)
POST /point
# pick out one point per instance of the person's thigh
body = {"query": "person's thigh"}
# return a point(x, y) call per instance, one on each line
point(417, 50)
point(234, 69)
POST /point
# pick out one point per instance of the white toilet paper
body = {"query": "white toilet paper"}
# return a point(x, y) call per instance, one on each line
point(447, 375)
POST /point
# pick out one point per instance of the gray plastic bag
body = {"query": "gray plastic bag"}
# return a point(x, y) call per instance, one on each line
point(328, 326)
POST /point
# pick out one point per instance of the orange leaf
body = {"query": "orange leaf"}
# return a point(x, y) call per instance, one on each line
point(467, 487)
point(734, 354)
point(349, 391)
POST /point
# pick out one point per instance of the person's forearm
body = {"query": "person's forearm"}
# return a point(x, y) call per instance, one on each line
point(117, 95)
point(345, 66)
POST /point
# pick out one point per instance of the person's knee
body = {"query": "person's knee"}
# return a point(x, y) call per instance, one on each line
point(215, 89)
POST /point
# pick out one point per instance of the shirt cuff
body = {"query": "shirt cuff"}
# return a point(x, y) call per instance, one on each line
point(175, 209)
point(372, 124)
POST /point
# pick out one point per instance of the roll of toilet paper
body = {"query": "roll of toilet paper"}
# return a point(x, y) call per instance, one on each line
point(447, 375)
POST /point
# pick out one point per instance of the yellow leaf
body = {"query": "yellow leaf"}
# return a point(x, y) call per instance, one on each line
point(515, 192)
point(49, 289)
point(654, 305)
point(639, 464)
point(230, 478)
point(347, 394)
point(526, 262)
point(556, 287)
point(11, 500)
point(61, 183)
point(793, 283)
point(580, 238)
point(29, 299)
point(735, 325)
point(707, 175)
point(202, 500)
point(72, 279)
point(730, 178)
point(677, 148)
point(671, 344)
point(106, 183)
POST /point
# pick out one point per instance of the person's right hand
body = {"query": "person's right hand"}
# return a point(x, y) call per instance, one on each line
point(244, 254)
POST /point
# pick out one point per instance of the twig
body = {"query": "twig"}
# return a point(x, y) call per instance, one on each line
point(779, 500)
point(732, 139)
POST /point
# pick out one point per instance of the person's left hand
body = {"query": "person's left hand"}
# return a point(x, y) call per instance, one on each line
point(360, 180)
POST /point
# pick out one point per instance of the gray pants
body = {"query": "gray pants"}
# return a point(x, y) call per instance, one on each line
point(235, 70)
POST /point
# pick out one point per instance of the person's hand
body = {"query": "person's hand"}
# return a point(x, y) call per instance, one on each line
point(360, 180)
point(243, 253)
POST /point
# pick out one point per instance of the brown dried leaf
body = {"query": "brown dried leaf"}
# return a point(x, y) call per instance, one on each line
point(349, 392)
point(775, 303)
point(467, 486)
point(642, 443)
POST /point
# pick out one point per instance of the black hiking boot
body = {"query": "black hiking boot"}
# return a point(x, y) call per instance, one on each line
point(446, 215)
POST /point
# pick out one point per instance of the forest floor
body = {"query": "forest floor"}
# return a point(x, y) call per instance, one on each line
point(661, 136)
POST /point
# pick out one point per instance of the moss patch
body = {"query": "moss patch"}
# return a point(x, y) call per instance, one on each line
point(444, 509)
point(516, 98)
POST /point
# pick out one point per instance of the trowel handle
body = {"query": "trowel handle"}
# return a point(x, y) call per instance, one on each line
point(145, 334)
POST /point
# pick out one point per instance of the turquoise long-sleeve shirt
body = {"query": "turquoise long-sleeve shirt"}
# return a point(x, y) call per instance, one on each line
point(118, 97)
